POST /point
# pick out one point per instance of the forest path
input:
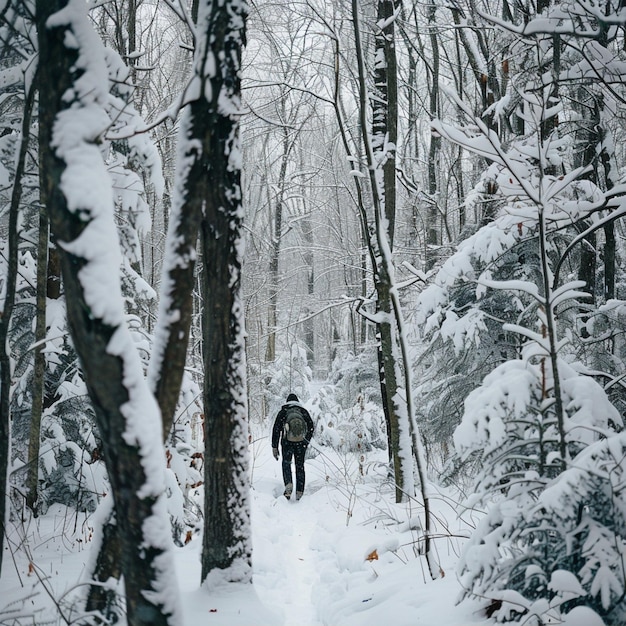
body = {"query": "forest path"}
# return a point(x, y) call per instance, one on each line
point(344, 555)
point(298, 564)
point(289, 543)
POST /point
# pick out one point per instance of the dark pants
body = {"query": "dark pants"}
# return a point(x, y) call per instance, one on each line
point(297, 451)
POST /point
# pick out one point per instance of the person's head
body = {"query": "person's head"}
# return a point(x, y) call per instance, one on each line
point(292, 397)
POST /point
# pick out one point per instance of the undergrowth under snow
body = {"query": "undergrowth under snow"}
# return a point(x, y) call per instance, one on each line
point(344, 555)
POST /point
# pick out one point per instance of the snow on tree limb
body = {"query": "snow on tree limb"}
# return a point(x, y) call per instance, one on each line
point(80, 203)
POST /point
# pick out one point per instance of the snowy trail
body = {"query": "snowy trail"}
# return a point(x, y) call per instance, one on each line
point(298, 562)
point(310, 557)
point(285, 563)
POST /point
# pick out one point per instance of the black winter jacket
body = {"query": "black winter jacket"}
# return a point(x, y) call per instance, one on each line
point(279, 424)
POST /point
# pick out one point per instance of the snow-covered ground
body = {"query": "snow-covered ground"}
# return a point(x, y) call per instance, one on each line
point(344, 555)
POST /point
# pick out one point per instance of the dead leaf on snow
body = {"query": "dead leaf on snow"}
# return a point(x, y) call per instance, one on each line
point(372, 556)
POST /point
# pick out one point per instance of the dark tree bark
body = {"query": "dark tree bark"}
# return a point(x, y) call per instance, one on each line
point(309, 259)
point(385, 106)
point(39, 368)
point(226, 549)
point(380, 253)
point(610, 244)
point(385, 128)
point(101, 598)
point(110, 373)
point(433, 235)
point(5, 375)
point(607, 159)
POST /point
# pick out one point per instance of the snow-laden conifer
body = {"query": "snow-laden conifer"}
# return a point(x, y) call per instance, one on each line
point(534, 418)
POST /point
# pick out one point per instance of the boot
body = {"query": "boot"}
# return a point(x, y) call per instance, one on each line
point(288, 491)
point(298, 495)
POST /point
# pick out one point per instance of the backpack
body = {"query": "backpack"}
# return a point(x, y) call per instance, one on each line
point(295, 425)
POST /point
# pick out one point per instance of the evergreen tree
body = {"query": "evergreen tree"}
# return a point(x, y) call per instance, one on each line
point(540, 420)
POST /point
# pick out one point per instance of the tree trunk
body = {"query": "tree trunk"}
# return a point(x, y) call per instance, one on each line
point(607, 159)
point(277, 231)
point(169, 354)
point(39, 368)
point(226, 549)
point(385, 107)
point(309, 259)
point(395, 353)
point(610, 244)
point(433, 236)
point(126, 415)
point(192, 184)
point(5, 376)
point(588, 138)
point(103, 598)
point(376, 154)
point(609, 261)
point(384, 140)
point(131, 28)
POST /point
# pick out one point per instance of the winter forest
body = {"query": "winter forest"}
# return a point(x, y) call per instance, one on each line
point(410, 214)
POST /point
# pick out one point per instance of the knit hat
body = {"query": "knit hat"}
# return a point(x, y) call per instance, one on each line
point(292, 397)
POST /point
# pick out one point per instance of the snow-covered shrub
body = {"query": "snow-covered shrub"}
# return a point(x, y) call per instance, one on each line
point(543, 199)
point(584, 510)
point(511, 427)
point(560, 553)
point(357, 429)
point(461, 322)
point(355, 376)
point(184, 450)
point(534, 558)
point(290, 373)
point(68, 465)
point(21, 338)
point(71, 470)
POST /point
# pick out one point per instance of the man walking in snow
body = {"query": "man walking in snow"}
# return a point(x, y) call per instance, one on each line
point(293, 428)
